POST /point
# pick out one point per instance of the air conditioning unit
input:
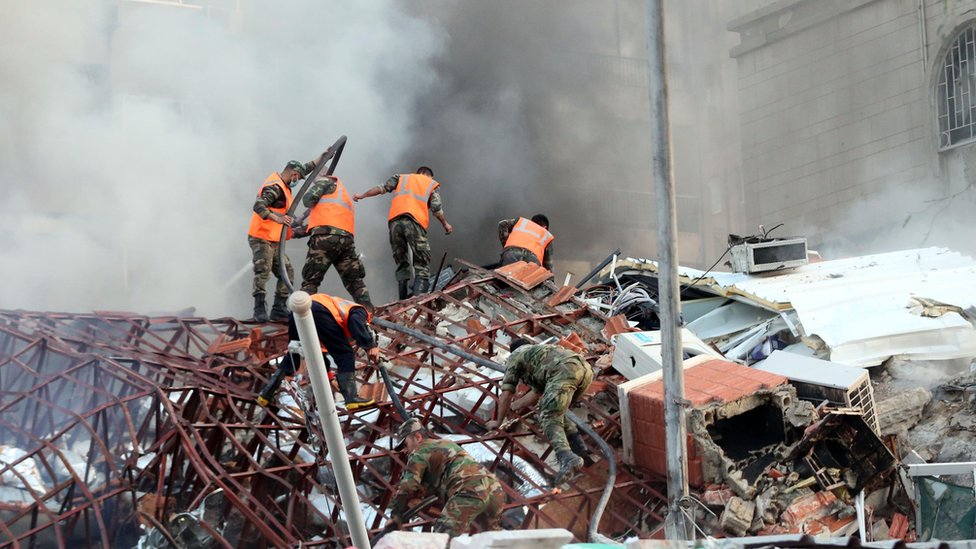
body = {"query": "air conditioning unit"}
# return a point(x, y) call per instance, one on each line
point(770, 255)
point(819, 380)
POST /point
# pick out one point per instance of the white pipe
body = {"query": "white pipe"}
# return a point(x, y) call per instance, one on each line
point(301, 304)
point(859, 506)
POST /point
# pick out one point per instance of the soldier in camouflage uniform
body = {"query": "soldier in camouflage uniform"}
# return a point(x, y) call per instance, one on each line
point(263, 234)
point(559, 376)
point(408, 225)
point(467, 492)
point(331, 245)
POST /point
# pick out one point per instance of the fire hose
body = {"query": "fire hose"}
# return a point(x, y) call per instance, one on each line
point(330, 156)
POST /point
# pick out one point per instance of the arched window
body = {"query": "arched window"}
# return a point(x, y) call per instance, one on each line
point(956, 91)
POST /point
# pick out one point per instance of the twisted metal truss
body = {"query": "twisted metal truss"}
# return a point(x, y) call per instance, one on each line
point(119, 429)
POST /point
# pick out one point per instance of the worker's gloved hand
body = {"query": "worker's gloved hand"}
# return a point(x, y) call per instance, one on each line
point(295, 347)
point(300, 231)
point(373, 355)
point(493, 424)
point(283, 219)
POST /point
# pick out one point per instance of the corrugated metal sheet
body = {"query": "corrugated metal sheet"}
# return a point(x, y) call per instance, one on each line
point(864, 308)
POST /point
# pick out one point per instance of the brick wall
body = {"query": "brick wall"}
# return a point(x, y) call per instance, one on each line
point(711, 382)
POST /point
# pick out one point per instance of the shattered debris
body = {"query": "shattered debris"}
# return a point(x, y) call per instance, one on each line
point(145, 431)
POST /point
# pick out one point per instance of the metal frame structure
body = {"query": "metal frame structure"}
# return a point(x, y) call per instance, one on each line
point(114, 425)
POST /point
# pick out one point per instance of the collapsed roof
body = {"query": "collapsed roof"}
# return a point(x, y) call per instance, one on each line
point(121, 429)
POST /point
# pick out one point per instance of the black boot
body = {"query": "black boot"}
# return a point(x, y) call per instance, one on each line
point(403, 287)
point(260, 308)
point(569, 464)
point(579, 447)
point(279, 311)
point(350, 391)
point(420, 285)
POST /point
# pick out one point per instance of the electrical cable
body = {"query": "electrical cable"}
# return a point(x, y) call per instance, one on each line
point(703, 275)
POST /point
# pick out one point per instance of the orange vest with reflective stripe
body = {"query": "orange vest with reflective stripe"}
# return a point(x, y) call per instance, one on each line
point(266, 229)
point(340, 309)
point(531, 236)
point(410, 197)
point(334, 210)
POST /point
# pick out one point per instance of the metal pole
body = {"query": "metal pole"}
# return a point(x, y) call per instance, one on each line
point(675, 526)
point(301, 304)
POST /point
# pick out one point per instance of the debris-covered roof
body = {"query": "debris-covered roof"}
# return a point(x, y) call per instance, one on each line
point(864, 309)
point(120, 428)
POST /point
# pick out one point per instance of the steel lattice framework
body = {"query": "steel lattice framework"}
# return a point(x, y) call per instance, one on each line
point(115, 424)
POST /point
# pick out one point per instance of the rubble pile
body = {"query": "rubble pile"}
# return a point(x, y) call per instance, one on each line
point(126, 430)
point(908, 316)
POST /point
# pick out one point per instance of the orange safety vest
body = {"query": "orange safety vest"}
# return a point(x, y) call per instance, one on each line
point(335, 210)
point(266, 229)
point(531, 236)
point(340, 309)
point(410, 197)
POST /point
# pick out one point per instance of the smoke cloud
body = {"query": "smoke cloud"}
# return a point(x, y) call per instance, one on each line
point(134, 136)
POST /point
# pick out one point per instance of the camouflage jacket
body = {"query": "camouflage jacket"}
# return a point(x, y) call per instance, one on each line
point(322, 186)
point(505, 229)
point(535, 365)
point(435, 197)
point(273, 197)
point(436, 467)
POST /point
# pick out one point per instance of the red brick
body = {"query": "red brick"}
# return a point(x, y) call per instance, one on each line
point(696, 477)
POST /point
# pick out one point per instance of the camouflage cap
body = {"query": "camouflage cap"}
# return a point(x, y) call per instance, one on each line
point(298, 167)
point(407, 428)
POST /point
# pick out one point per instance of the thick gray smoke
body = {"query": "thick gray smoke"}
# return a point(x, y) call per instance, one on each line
point(134, 136)
point(524, 120)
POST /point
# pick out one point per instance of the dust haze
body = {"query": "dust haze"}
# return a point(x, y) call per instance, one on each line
point(134, 137)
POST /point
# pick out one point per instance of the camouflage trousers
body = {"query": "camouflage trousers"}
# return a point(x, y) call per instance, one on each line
point(562, 391)
point(265, 259)
point(326, 250)
point(516, 254)
point(479, 501)
point(408, 239)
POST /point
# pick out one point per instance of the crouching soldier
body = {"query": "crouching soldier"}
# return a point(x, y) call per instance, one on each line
point(559, 376)
point(466, 491)
point(337, 321)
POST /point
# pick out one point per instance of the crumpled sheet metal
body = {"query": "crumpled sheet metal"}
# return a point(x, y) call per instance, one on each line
point(865, 309)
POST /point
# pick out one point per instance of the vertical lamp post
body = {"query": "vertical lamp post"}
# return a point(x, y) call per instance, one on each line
point(301, 304)
point(675, 526)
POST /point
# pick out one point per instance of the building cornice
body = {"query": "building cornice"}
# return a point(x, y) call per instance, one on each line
point(784, 18)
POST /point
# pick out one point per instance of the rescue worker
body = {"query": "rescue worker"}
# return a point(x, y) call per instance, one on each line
point(336, 322)
point(331, 224)
point(559, 376)
point(467, 492)
point(413, 195)
point(274, 199)
point(526, 240)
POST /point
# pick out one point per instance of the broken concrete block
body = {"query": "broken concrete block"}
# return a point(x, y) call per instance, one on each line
point(717, 496)
point(548, 538)
point(879, 530)
point(413, 540)
point(899, 413)
point(737, 516)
